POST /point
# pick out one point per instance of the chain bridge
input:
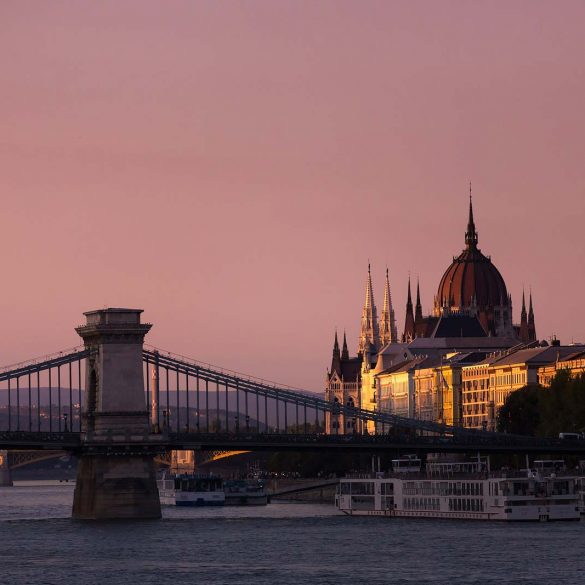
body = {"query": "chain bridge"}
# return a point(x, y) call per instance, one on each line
point(117, 404)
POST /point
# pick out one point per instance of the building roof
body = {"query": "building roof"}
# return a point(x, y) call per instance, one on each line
point(465, 359)
point(455, 344)
point(534, 356)
point(457, 325)
point(420, 361)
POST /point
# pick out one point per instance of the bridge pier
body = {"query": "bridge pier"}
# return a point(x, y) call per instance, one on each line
point(116, 475)
point(5, 475)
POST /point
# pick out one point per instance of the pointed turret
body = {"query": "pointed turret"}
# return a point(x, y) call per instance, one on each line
point(388, 332)
point(369, 334)
point(470, 234)
point(418, 311)
point(524, 333)
point(336, 361)
point(531, 325)
point(409, 321)
point(344, 351)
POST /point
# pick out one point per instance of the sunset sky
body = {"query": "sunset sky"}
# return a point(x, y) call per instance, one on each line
point(230, 167)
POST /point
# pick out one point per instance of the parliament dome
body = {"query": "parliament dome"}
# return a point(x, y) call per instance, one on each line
point(473, 282)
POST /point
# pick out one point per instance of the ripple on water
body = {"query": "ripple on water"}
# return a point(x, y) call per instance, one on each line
point(279, 543)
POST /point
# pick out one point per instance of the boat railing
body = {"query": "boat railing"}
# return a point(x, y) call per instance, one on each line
point(535, 474)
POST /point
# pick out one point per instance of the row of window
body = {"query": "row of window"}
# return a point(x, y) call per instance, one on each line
point(444, 488)
point(508, 379)
point(357, 488)
point(422, 504)
point(465, 505)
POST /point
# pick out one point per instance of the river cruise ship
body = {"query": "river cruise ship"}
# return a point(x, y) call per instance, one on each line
point(189, 489)
point(465, 490)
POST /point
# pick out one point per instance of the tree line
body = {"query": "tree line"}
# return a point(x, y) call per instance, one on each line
point(545, 412)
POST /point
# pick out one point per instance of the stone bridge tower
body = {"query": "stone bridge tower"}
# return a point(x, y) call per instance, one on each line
point(116, 476)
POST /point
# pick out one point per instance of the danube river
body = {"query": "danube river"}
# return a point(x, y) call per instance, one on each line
point(279, 544)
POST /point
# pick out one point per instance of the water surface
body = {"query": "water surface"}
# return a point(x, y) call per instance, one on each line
point(277, 544)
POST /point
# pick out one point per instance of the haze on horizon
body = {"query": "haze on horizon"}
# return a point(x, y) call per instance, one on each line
point(231, 167)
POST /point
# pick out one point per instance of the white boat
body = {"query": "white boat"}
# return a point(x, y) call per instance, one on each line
point(245, 492)
point(190, 489)
point(465, 490)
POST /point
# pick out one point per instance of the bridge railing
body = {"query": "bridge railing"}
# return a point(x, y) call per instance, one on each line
point(44, 395)
point(188, 395)
point(184, 395)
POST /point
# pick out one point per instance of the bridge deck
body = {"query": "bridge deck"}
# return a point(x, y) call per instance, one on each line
point(296, 442)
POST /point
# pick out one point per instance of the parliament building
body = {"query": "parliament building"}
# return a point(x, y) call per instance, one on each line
point(420, 373)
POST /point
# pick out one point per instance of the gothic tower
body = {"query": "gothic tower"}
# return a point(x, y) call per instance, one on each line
point(531, 325)
point(369, 333)
point(344, 351)
point(388, 333)
point(524, 335)
point(418, 315)
point(409, 333)
point(336, 360)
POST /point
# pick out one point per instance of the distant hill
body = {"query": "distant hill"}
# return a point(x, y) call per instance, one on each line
point(52, 397)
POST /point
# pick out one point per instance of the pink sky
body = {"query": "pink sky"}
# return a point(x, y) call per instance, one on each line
point(230, 167)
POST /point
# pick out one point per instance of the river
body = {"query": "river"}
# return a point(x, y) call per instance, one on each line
point(279, 544)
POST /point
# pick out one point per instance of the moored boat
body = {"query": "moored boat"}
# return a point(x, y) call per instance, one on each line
point(190, 489)
point(245, 492)
point(465, 490)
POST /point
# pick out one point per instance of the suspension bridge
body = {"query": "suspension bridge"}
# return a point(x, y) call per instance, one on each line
point(117, 403)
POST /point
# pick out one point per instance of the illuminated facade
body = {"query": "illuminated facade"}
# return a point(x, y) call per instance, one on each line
point(574, 363)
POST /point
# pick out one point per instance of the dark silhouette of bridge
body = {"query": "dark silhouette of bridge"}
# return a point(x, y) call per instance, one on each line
point(76, 401)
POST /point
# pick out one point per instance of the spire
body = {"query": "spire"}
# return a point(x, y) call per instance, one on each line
point(369, 290)
point(344, 351)
point(470, 234)
point(369, 327)
point(336, 361)
point(524, 332)
point(531, 325)
point(388, 333)
point(418, 311)
point(409, 321)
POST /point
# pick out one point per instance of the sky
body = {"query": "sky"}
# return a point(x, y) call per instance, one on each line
point(231, 167)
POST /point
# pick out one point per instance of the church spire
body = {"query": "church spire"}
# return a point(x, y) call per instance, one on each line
point(470, 234)
point(369, 327)
point(388, 333)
